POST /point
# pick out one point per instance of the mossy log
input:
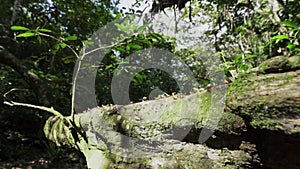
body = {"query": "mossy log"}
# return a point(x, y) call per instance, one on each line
point(148, 135)
point(269, 97)
point(158, 134)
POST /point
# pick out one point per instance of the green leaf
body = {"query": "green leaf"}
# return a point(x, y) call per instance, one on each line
point(139, 76)
point(244, 67)
point(70, 38)
point(136, 46)
point(45, 30)
point(19, 28)
point(55, 49)
point(250, 57)
point(145, 41)
point(119, 26)
point(240, 28)
point(39, 39)
point(108, 67)
point(279, 37)
point(56, 46)
point(238, 58)
point(290, 24)
point(128, 48)
point(134, 80)
point(68, 59)
point(25, 35)
point(63, 45)
point(117, 71)
point(140, 29)
point(290, 46)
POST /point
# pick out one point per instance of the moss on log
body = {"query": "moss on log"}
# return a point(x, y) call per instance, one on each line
point(269, 101)
point(267, 98)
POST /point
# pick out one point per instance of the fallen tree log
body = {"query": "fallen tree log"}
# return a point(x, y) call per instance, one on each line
point(106, 147)
point(269, 97)
point(155, 134)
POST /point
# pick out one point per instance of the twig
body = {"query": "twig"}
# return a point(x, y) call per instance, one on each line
point(60, 41)
point(77, 72)
point(13, 89)
point(47, 109)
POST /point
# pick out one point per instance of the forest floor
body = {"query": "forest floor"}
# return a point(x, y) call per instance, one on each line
point(36, 154)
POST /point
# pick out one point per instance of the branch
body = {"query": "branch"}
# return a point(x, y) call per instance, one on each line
point(38, 86)
point(60, 41)
point(50, 110)
point(80, 59)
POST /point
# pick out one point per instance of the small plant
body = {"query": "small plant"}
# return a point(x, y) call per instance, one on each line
point(290, 39)
point(240, 64)
point(39, 32)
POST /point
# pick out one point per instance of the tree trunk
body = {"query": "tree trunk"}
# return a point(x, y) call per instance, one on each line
point(261, 116)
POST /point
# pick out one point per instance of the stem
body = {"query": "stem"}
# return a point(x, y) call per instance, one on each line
point(77, 72)
point(74, 86)
point(79, 64)
point(60, 41)
point(47, 109)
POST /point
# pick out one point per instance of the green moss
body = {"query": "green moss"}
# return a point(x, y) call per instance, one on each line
point(277, 63)
point(204, 107)
point(294, 62)
point(268, 124)
point(196, 107)
point(237, 91)
point(171, 112)
point(256, 97)
point(231, 123)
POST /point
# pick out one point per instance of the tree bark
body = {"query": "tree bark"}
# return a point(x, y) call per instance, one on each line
point(261, 113)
